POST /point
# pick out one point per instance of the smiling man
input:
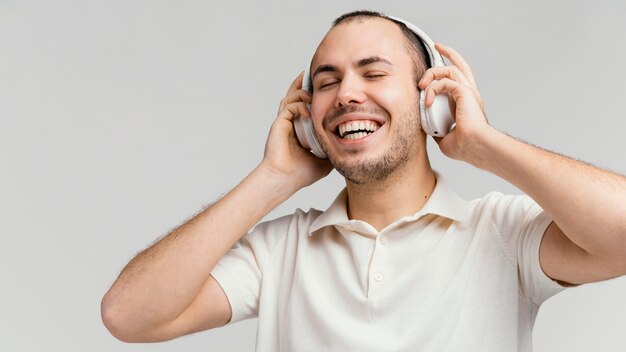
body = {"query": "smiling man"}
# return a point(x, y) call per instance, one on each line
point(366, 71)
point(398, 262)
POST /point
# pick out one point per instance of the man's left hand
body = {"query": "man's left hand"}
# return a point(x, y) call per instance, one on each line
point(458, 82)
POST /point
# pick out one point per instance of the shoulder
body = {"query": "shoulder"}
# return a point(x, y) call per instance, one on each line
point(299, 218)
point(273, 230)
point(502, 207)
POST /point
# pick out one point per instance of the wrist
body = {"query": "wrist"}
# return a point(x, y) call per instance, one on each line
point(483, 147)
point(283, 184)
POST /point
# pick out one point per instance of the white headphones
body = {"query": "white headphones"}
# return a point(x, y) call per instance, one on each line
point(437, 120)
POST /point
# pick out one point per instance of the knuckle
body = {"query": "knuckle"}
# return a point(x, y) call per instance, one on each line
point(444, 73)
point(467, 90)
point(295, 106)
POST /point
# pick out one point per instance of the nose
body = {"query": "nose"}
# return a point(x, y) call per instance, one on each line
point(350, 91)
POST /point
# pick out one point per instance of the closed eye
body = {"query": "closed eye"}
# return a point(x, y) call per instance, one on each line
point(368, 76)
point(375, 75)
point(327, 84)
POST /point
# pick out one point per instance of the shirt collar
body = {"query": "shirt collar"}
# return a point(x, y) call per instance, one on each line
point(443, 202)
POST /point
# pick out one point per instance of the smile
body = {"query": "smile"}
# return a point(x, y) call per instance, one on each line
point(352, 130)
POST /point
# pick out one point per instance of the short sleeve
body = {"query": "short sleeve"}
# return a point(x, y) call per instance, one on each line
point(522, 223)
point(538, 287)
point(240, 271)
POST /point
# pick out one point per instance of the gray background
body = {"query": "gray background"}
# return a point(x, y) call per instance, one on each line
point(121, 119)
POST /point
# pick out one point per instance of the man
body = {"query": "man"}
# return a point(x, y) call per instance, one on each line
point(398, 262)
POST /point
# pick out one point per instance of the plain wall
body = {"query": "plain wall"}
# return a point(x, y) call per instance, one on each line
point(121, 119)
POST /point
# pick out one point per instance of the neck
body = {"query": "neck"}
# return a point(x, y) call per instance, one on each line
point(402, 193)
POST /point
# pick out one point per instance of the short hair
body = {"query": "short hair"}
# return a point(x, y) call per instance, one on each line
point(415, 46)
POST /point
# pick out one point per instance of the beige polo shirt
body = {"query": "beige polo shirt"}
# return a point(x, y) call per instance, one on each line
point(455, 276)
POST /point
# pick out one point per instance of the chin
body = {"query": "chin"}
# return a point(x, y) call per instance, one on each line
point(367, 169)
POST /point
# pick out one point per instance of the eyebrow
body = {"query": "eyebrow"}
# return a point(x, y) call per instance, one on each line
point(361, 63)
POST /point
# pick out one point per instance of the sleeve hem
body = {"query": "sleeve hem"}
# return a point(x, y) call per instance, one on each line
point(225, 280)
point(535, 245)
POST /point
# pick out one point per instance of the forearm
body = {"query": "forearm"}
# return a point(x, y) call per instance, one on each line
point(587, 203)
point(158, 284)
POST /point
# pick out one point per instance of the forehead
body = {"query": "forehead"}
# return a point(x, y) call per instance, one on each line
point(361, 38)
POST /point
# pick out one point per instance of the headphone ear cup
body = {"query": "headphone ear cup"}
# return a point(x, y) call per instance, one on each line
point(298, 126)
point(306, 136)
point(437, 119)
point(425, 116)
point(426, 126)
point(304, 125)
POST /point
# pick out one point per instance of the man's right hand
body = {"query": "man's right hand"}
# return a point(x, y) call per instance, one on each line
point(284, 155)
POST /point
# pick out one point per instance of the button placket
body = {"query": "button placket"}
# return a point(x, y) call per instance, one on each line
point(377, 267)
point(378, 277)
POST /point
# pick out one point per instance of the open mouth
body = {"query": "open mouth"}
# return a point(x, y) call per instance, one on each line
point(352, 130)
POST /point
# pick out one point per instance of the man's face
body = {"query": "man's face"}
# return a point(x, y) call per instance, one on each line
point(363, 80)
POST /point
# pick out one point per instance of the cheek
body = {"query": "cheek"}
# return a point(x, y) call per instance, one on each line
point(396, 101)
point(399, 97)
point(318, 109)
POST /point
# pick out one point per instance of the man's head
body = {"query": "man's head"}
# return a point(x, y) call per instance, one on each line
point(364, 75)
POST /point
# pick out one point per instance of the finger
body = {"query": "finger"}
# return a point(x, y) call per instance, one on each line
point(457, 60)
point(470, 89)
point(293, 109)
point(455, 89)
point(437, 73)
point(299, 95)
point(296, 84)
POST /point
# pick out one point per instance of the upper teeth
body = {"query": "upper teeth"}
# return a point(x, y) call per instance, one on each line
point(364, 125)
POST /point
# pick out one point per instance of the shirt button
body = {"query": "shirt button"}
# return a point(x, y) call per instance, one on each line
point(383, 240)
point(378, 277)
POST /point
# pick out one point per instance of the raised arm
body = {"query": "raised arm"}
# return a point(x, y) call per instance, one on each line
point(155, 298)
point(587, 240)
